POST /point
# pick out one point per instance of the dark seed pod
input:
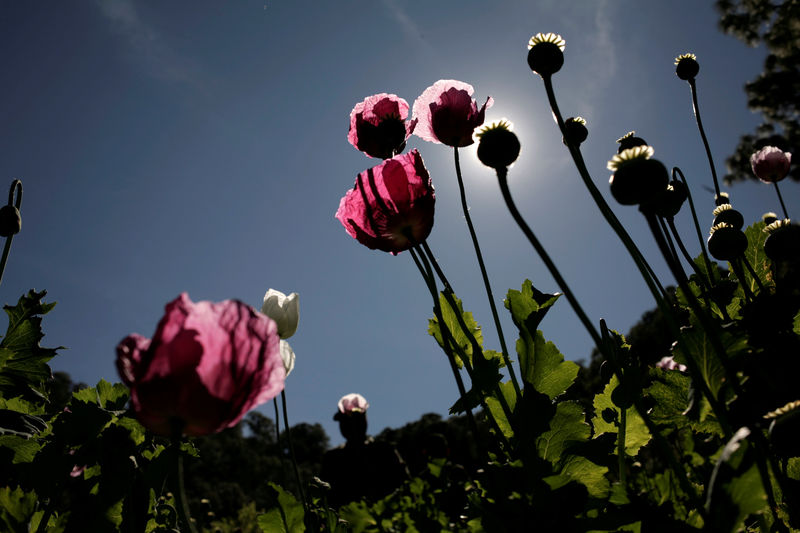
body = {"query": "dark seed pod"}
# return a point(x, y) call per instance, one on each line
point(783, 242)
point(498, 146)
point(726, 243)
point(722, 199)
point(686, 66)
point(630, 140)
point(671, 199)
point(726, 214)
point(637, 179)
point(769, 218)
point(546, 53)
point(10, 221)
point(575, 131)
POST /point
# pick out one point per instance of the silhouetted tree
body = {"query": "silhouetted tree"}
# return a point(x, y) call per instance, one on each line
point(774, 92)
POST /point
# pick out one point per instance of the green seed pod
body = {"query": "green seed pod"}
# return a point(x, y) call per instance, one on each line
point(725, 213)
point(637, 179)
point(575, 131)
point(783, 242)
point(726, 243)
point(630, 140)
point(545, 53)
point(498, 146)
point(686, 66)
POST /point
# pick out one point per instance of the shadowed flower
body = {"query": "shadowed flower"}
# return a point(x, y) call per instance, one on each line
point(448, 114)
point(284, 310)
point(206, 366)
point(391, 206)
point(378, 125)
point(668, 363)
point(770, 164)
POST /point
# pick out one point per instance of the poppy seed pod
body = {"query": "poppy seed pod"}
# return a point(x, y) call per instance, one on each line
point(686, 66)
point(671, 199)
point(783, 242)
point(575, 131)
point(637, 179)
point(629, 140)
point(722, 199)
point(546, 53)
point(498, 146)
point(726, 243)
point(725, 213)
point(10, 221)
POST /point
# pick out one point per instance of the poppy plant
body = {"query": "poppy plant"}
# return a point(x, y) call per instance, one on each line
point(447, 113)
point(206, 366)
point(390, 208)
point(378, 125)
point(770, 164)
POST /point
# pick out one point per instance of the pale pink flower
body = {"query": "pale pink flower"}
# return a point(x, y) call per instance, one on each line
point(378, 125)
point(770, 164)
point(447, 113)
point(668, 363)
point(353, 403)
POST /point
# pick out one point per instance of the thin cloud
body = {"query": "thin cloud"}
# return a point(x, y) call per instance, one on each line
point(605, 59)
point(145, 43)
point(409, 27)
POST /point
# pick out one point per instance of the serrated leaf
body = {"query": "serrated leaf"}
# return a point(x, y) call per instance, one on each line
point(20, 424)
point(16, 509)
point(669, 390)
point(451, 321)
point(112, 397)
point(542, 365)
point(23, 362)
point(285, 517)
point(24, 449)
point(756, 257)
point(796, 324)
point(485, 379)
point(636, 433)
point(567, 427)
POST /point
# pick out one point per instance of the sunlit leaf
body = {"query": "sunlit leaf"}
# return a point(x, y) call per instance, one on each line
point(464, 340)
point(568, 426)
point(636, 433)
point(286, 516)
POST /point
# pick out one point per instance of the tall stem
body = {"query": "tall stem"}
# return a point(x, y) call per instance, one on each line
point(780, 199)
point(16, 187)
point(291, 451)
point(696, 109)
point(484, 275)
point(180, 492)
point(709, 268)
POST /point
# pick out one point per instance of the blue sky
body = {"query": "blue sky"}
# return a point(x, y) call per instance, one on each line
point(201, 147)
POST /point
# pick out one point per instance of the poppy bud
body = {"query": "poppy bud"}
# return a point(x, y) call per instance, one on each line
point(725, 213)
point(10, 221)
point(726, 242)
point(671, 199)
point(575, 131)
point(630, 140)
point(546, 53)
point(686, 66)
point(498, 146)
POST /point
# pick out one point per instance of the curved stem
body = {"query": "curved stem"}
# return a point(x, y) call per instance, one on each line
point(780, 199)
point(696, 109)
point(484, 275)
point(291, 452)
point(706, 259)
point(560, 281)
point(16, 187)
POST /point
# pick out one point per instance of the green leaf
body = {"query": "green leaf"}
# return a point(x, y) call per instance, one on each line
point(485, 379)
point(112, 397)
point(496, 408)
point(23, 362)
point(16, 509)
point(735, 489)
point(636, 433)
point(285, 517)
point(590, 475)
point(451, 321)
point(756, 257)
point(796, 324)
point(24, 449)
point(669, 390)
point(568, 426)
point(542, 365)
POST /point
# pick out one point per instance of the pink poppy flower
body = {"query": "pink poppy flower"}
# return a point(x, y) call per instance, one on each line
point(447, 113)
point(391, 206)
point(353, 403)
point(668, 363)
point(770, 164)
point(206, 366)
point(378, 125)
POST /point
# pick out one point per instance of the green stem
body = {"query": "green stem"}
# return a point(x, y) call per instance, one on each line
point(709, 268)
point(291, 452)
point(623, 419)
point(484, 275)
point(430, 282)
point(696, 109)
point(180, 493)
point(277, 423)
point(16, 187)
point(780, 199)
